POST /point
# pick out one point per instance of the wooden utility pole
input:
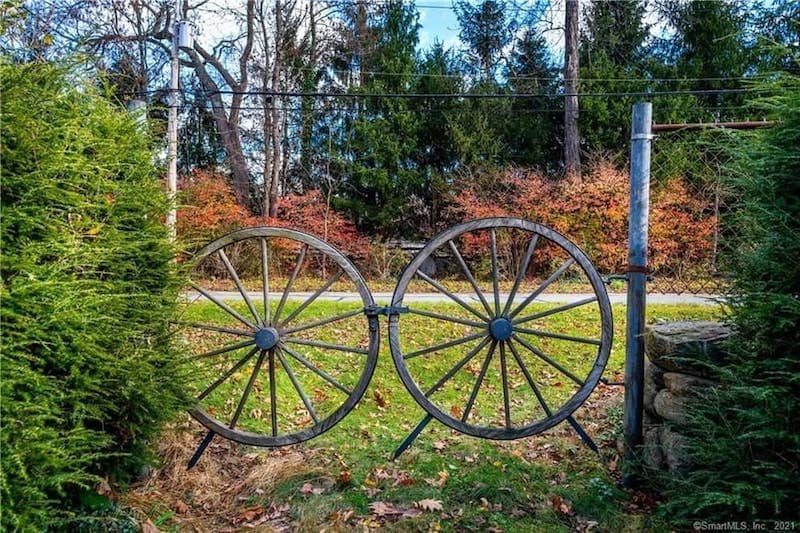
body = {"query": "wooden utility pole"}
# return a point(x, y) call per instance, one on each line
point(572, 144)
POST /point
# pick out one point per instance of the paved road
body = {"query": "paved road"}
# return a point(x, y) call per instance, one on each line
point(436, 297)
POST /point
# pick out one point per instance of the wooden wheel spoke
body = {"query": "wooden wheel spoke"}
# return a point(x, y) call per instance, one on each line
point(231, 371)
point(297, 386)
point(551, 335)
point(469, 276)
point(444, 345)
point(235, 277)
point(247, 389)
point(450, 373)
point(273, 400)
point(523, 268)
point(326, 345)
point(446, 318)
point(504, 378)
point(529, 379)
point(321, 373)
point(211, 327)
point(450, 295)
point(555, 310)
point(495, 273)
point(224, 349)
point(322, 322)
point(267, 326)
point(313, 297)
point(478, 382)
point(265, 278)
point(286, 290)
point(222, 305)
point(546, 283)
point(548, 360)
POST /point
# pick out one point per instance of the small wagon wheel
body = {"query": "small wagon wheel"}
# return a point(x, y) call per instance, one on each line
point(500, 356)
point(269, 368)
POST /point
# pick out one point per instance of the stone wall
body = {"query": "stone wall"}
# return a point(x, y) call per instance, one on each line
point(670, 378)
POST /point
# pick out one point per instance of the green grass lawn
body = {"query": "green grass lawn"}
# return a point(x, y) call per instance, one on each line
point(447, 481)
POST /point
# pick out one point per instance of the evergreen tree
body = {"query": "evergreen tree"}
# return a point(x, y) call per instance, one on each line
point(744, 434)
point(611, 54)
point(486, 29)
point(532, 126)
point(711, 49)
point(376, 154)
point(437, 153)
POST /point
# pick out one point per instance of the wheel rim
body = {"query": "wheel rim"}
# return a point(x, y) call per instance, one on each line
point(268, 369)
point(490, 371)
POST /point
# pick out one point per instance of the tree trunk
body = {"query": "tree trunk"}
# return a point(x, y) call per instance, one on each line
point(277, 122)
point(572, 144)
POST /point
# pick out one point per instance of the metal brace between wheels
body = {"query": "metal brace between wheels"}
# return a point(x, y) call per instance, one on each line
point(389, 310)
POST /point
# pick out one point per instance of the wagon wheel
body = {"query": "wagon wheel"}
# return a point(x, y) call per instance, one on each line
point(503, 355)
point(268, 368)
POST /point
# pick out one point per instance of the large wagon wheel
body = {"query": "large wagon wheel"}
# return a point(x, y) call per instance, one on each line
point(267, 368)
point(507, 358)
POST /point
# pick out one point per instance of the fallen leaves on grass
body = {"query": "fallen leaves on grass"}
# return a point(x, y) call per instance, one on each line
point(560, 505)
point(429, 505)
point(308, 488)
point(440, 481)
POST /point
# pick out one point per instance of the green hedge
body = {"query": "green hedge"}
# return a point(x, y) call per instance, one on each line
point(88, 288)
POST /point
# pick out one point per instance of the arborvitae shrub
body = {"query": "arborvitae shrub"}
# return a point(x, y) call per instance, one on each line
point(88, 288)
point(744, 435)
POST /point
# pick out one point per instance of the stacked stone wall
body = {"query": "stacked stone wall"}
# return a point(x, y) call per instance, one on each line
point(671, 378)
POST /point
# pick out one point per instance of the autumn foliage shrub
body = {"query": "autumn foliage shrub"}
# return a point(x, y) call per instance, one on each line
point(209, 210)
point(593, 213)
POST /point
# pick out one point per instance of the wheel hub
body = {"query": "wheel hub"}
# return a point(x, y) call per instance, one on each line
point(501, 329)
point(267, 338)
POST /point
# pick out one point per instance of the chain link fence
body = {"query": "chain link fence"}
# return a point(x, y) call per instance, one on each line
point(696, 164)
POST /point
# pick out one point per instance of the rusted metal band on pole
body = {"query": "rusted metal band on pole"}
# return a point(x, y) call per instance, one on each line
point(638, 269)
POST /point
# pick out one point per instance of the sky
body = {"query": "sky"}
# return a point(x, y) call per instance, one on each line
point(438, 23)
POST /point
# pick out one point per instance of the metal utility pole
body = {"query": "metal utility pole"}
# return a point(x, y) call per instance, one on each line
point(172, 125)
point(572, 143)
point(641, 139)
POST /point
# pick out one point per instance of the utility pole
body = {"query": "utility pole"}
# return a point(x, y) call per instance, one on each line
point(172, 125)
point(181, 40)
point(572, 144)
point(641, 139)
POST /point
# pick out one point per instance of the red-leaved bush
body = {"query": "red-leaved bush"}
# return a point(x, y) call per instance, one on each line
point(209, 210)
point(593, 213)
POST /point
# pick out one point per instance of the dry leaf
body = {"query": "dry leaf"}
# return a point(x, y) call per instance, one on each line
point(181, 507)
point(149, 527)
point(249, 514)
point(379, 399)
point(443, 477)
point(307, 488)
point(455, 411)
point(384, 509)
point(440, 445)
point(103, 488)
point(429, 505)
point(344, 477)
point(559, 505)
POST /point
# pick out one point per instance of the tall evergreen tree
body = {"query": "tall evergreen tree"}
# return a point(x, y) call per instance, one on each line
point(611, 59)
point(376, 156)
point(533, 123)
point(486, 29)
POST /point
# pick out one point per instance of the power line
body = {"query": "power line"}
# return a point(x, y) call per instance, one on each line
point(485, 96)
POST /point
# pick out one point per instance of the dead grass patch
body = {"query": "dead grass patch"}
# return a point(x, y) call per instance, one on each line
point(225, 491)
